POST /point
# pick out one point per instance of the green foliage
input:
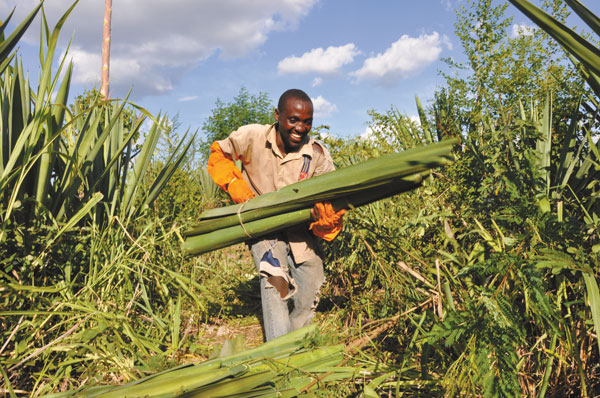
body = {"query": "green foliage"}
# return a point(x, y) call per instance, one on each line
point(502, 70)
point(55, 162)
point(469, 240)
point(76, 287)
point(99, 307)
point(246, 108)
point(30, 127)
point(392, 131)
point(186, 194)
point(90, 99)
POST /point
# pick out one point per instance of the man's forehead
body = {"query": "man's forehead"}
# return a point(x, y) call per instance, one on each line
point(296, 104)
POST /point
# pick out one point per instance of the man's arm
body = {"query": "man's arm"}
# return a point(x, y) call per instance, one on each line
point(225, 174)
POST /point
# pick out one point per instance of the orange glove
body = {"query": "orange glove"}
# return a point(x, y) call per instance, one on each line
point(239, 190)
point(226, 175)
point(329, 222)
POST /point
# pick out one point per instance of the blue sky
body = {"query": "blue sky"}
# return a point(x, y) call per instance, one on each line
point(179, 56)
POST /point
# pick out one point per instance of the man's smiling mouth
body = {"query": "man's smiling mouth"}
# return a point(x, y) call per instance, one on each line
point(296, 137)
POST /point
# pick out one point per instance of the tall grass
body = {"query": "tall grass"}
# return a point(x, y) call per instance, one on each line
point(80, 282)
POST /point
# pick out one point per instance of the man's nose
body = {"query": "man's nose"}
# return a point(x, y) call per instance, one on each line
point(301, 127)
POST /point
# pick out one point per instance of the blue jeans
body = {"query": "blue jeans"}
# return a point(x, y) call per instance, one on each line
point(282, 315)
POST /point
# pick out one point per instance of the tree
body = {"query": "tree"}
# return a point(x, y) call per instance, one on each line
point(245, 109)
point(503, 68)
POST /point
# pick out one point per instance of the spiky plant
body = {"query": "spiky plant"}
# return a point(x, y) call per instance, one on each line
point(42, 174)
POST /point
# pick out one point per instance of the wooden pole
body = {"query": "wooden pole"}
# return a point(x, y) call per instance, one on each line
point(106, 49)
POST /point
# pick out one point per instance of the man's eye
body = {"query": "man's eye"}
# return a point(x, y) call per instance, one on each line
point(293, 120)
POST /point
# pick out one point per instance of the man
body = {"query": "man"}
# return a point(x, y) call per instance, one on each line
point(273, 156)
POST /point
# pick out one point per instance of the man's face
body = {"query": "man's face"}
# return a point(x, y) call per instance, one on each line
point(295, 122)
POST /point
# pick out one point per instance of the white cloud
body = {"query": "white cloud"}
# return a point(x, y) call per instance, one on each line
point(322, 107)
point(447, 4)
point(188, 98)
point(86, 66)
point(415, 119)
point(521, 30)
point(125, 73)
point(317, 81)
point(155, 42)
point(368, 135)
point(446, 40)
point(325, 134)
point(405, 57)
point(321, 61)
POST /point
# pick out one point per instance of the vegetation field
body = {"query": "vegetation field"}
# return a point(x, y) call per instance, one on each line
point(480, 282)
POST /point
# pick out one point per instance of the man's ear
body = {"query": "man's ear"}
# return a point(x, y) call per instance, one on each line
point(277, 115)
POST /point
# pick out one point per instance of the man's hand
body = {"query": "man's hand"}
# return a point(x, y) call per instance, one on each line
point(328, 223)
point(239, 190)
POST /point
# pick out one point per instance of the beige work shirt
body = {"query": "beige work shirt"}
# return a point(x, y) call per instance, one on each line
point(267, 170)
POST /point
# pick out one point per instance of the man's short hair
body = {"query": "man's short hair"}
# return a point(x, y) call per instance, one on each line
point(292, 93)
